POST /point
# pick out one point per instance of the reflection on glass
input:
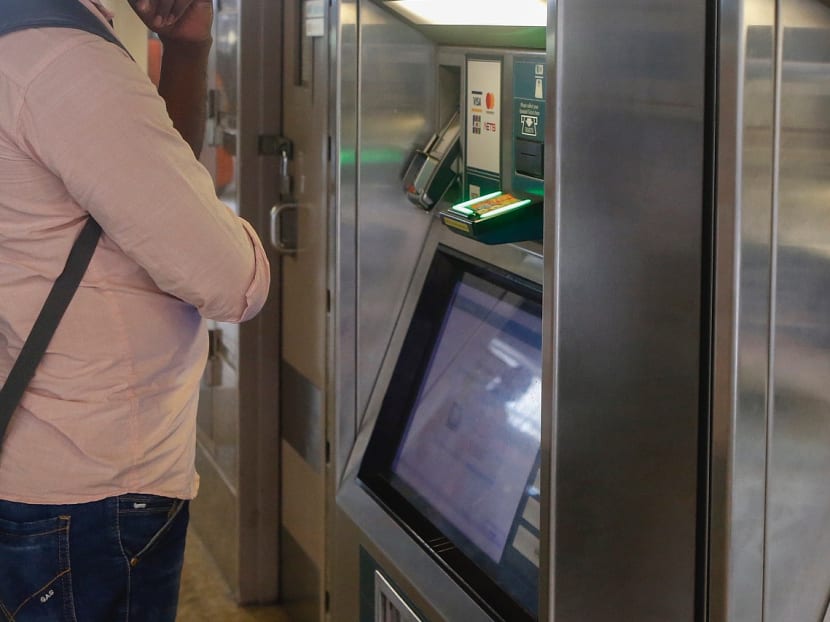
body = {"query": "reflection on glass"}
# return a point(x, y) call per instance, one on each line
point(218, 412)
point(474, 435)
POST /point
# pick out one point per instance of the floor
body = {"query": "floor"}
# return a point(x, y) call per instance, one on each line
point(205, 597)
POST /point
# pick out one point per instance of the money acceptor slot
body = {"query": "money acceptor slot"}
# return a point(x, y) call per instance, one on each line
point(496, 218)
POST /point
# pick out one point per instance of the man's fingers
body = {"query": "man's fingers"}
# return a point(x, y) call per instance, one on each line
point(161, 13)
point(145, 8)
point(163, 8)
point(179, 9)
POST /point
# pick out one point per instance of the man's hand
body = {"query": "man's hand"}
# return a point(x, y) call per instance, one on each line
point(184, 21)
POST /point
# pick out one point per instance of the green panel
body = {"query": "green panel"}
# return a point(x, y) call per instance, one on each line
point(529, 87)
point(367, 586)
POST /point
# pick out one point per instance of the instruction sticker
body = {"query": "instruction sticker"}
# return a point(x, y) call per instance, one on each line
point(529, 99)
point(484, 115)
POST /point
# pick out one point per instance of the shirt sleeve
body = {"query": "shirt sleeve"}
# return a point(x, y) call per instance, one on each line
point(95, 120)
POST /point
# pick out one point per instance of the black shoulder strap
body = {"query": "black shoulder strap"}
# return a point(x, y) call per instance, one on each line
point(18, 15)
point(47, 322)
point(23, 14)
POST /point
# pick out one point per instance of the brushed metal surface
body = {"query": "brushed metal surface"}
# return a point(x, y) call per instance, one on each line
point(396, 108)
point(304, 276)
point(631, 84)
point(341, 412)
point(259, 340)
point(303, 520)
point(304, 312)
point(343, 257)
point(303, 422)
point(798, 504)
point(302, 584)
point(742, 311)
point(550, 317)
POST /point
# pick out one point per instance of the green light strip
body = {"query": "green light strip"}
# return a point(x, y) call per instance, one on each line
point(461, 206)
point(506, 208)
point(463, 210)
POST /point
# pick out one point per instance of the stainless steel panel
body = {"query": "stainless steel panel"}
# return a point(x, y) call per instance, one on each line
point(798, 514)
point(259, 341)
point(344, 555)
point(303, 423)
point(741, 358)
point(303, 583)
point(305, 324)
point(343, 257)
point(341, 413)
point(305, 280)
point(631, 85)
point(550, 319)
point(303, 520)
point(397, 106)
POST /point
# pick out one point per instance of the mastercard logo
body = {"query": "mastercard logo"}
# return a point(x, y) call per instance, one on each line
point(490, 101)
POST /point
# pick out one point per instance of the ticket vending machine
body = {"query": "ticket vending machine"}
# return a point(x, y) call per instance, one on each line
point(685, 437)
point(438, 509)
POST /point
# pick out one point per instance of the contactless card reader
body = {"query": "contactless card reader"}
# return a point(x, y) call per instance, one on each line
point(496, 218)
point(433, 169)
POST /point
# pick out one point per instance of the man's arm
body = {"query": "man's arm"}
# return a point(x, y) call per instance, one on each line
point(109, 138)
point(184, 27)
point(183, 86)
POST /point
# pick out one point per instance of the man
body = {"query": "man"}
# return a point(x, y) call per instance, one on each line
point(97, 464)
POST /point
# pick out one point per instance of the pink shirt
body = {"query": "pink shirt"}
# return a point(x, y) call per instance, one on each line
point(112, 408)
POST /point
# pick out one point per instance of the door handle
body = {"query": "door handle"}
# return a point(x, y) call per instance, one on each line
point(284, 228)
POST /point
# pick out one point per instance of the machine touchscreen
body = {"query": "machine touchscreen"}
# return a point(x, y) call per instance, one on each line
point(474, 432)
point(465, 458)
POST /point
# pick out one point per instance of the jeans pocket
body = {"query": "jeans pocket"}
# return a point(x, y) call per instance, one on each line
point(143, 521)
point(35, 584)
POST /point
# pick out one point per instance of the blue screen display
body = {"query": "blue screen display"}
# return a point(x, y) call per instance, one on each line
point(471, 446)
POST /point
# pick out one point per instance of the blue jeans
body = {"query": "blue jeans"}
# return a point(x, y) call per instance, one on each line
point(119, 559)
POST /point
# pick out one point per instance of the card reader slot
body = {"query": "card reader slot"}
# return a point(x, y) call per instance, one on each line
point(433, 169)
